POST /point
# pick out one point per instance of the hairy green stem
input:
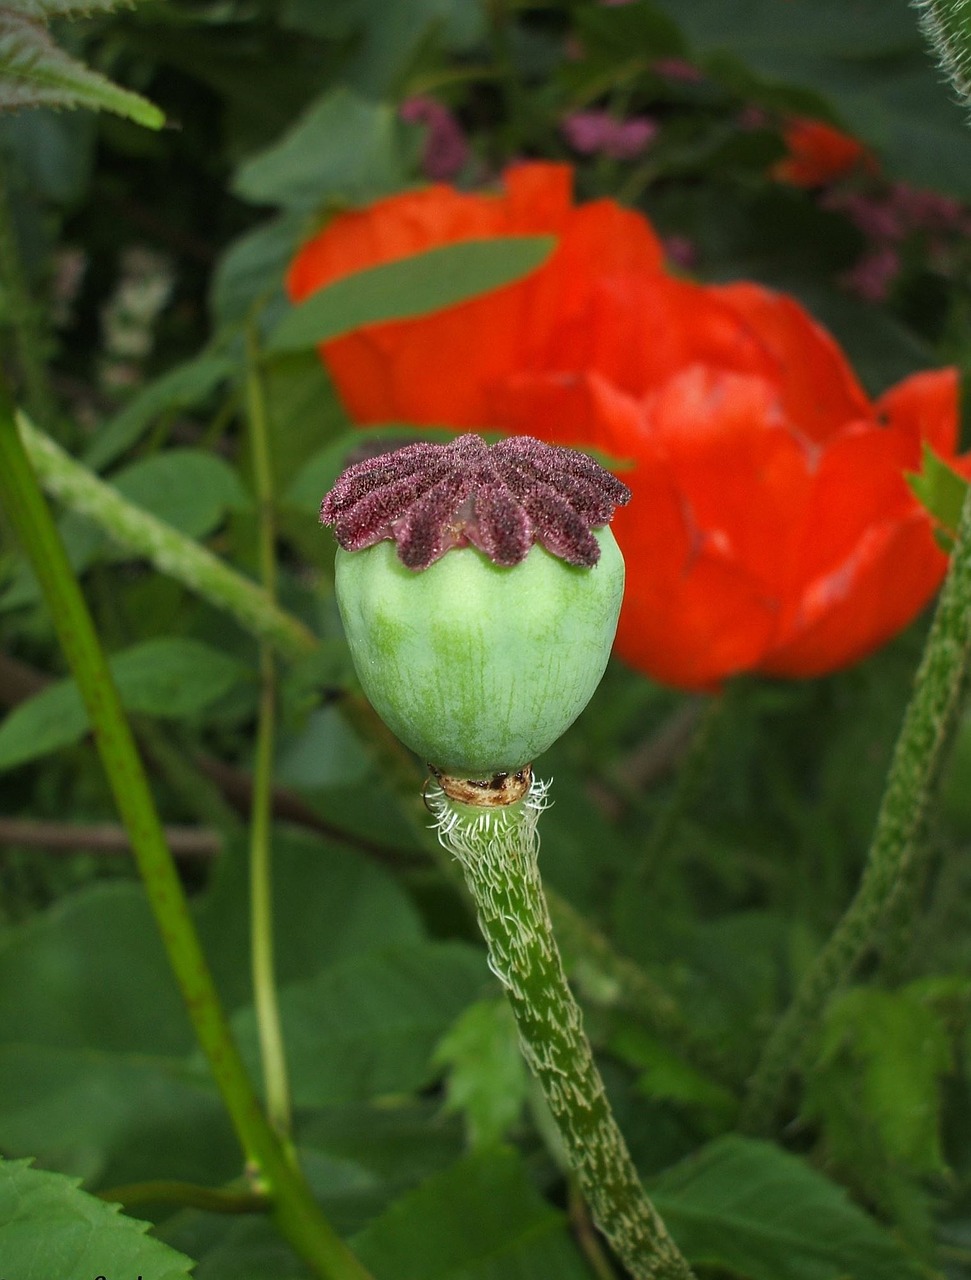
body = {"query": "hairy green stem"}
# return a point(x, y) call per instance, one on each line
point(945, 24)
point(498, 850)
point(172, 554)
point(266, 1004)
point(919, 755)
point(294, 1208)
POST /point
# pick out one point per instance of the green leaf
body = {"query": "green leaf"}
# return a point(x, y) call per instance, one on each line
point(113, 1118)
point(666, 1076)
point(90, 973)
point(941, 490)
point(165, 677)
point(487, 1079)
point(411, 286)
point(366, 1027)
point(251, 271)
point(188, 489)
point(755, 1211)
point(50, 1228)
point(181, 388)
point(879, 1069)
point(35, 72)
point(330, 905)
point(480, 1220)
point(343, 147)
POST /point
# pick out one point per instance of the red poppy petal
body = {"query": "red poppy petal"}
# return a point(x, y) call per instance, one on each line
point(923, 407)
point(690, 618)
point(819, 389)
point(851, 612)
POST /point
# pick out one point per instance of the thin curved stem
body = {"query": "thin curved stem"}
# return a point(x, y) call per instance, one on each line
point(187, 1194)
point(895, 850)
point(267, 1008)
point(498, 850)
point(293, 1207)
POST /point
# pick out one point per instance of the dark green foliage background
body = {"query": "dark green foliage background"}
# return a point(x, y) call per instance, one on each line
point(420, 1134)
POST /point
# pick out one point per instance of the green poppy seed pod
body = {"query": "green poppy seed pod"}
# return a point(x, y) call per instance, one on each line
point(479, 589)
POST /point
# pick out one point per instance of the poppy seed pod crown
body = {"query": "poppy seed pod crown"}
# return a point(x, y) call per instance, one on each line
point(479, 589)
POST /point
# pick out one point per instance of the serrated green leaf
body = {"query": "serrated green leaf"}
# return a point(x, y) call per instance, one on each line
point(166, 677)
point(666, 1076)
point(940, 489)
point(487, 1079)
point(881, 1060)
point(35, 72)
point(48, 1227)
point(409, 287)
point(753, 1210)
point(480, 1220)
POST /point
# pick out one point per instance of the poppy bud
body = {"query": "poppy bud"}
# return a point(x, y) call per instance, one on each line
point(479, 589)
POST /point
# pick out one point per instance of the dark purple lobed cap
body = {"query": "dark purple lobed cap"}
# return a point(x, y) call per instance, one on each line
point(499, 498)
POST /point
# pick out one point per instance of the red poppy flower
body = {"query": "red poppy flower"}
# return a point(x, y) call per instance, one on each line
point(771, 528)
point(437, 369)
point(819, 154)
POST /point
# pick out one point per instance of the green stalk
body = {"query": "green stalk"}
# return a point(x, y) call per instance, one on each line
point(919, 755)
point(27, 317)
point(498, 850)
point(171, 553)
point(267, 1008)
point(294, 1209)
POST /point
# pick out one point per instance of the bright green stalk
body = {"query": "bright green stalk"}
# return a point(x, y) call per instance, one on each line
point(294, 1208)
point(272, 1054)
point(172, 554)
point(498, 850)
point(920, 752)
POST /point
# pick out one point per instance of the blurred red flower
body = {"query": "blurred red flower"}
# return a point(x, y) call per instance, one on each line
point(771, 530)
point(819, 154)
point(439, 369)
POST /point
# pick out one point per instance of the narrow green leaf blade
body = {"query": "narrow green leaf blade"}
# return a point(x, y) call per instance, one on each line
point(82, 1236)
point(35, 72)
point(411, 286)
